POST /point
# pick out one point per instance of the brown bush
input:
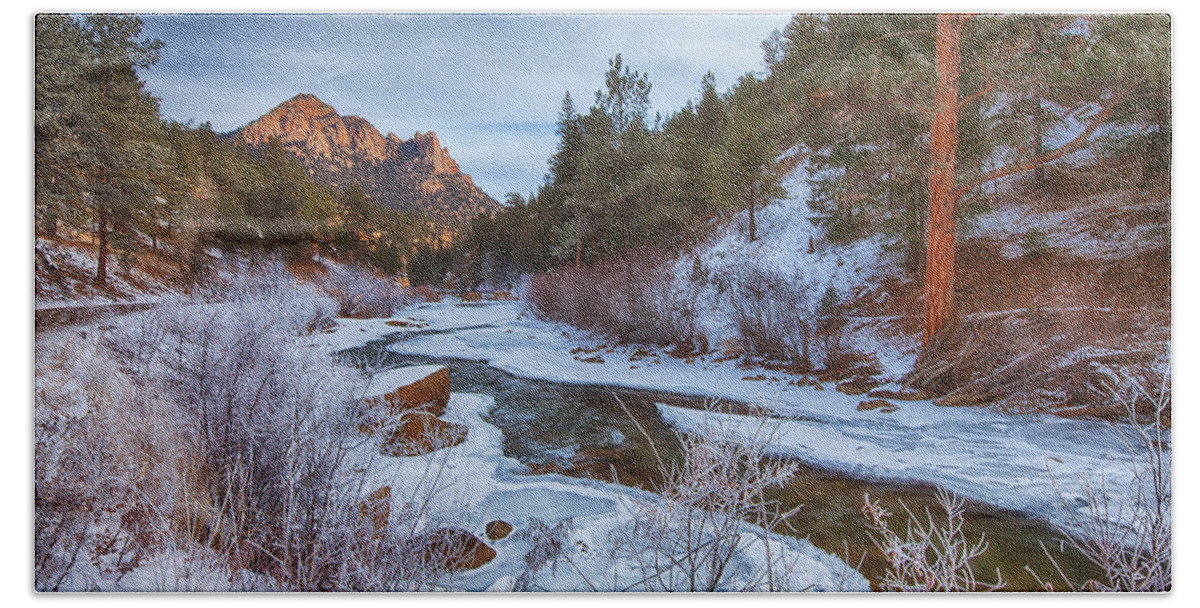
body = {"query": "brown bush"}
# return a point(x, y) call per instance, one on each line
point(427, 294)
point(773, 318)
point(629, 297)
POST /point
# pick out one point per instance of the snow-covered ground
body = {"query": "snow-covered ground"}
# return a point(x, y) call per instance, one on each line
point(1010, 461)
point(69, 259)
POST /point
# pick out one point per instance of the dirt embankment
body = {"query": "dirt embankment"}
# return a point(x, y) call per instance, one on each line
point(1060, 308)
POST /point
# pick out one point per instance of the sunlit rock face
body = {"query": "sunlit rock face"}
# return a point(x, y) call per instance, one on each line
point(414, 175)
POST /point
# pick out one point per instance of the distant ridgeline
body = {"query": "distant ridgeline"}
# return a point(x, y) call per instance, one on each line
point(415, 175)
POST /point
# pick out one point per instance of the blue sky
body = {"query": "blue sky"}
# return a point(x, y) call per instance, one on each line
point(491, 85)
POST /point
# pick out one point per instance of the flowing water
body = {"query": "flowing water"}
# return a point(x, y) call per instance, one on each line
point(582, 430)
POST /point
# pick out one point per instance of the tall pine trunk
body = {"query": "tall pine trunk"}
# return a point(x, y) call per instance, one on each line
point(1039, 115)
point(943, 204)
point(751, 197)
point(102, 264)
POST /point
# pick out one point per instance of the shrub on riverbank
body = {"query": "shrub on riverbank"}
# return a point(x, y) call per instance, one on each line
point(203, 445)
point(630, 297)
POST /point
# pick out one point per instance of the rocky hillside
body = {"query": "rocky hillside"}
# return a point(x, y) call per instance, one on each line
point(417, 174)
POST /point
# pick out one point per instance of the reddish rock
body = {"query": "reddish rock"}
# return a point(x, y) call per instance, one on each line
point(424, 387)
point(402, 323)
point(421, 433)
point(898, 395)
point(498, 529)
point(883, 405)
point(454, 549)
point(858, 385)
point(377, 508)
point(417, 174)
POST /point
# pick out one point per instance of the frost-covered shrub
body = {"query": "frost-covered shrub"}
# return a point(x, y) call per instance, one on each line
point(264, 427)
point(269, 284)
point(207, 438)
point(362, 294)
point(199, 423)
point(548, 546)
point(930, 555)
point(698, 536)
point(104, 461)
point(1129, 539)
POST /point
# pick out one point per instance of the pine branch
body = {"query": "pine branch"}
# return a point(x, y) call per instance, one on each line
point(1031, 163)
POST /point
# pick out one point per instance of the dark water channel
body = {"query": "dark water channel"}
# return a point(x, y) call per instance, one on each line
point(581, 430)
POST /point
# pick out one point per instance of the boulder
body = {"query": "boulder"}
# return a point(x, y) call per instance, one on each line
point(421, 433)
point(498, 529)
point(403, 323)
point(422, 387)
point(858, 385)
point(902, 395)
point(454, 549)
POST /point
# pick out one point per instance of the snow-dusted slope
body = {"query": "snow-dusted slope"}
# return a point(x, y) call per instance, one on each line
point(785, 230)
point(1101, 227)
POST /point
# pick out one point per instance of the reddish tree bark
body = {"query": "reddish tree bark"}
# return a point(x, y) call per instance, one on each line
point(102, 264)
point(943, 204)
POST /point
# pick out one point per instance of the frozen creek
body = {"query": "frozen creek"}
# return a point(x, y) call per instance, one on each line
point(553, 412)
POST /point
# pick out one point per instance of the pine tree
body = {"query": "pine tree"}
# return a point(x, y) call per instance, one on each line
point(884, 96)
point(120, 134)
point(751, 147)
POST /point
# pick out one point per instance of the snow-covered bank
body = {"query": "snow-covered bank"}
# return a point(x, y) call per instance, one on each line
point(1010, 461)
point(473, 483)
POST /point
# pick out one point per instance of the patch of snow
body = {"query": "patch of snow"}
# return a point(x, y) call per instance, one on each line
point(1098, 230)
point(785, 230)
point(473, 483)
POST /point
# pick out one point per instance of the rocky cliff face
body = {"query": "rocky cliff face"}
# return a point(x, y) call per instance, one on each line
point(416, 175)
